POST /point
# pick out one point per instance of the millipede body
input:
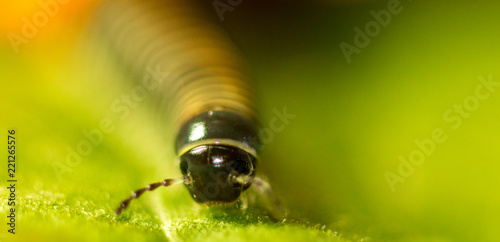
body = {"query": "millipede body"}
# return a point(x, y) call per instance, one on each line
point(207, 95)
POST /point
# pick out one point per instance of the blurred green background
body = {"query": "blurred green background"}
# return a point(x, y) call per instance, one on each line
point(354, 120)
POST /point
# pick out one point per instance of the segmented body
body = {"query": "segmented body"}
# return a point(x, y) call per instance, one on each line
point(204, 69)
point(207, 94)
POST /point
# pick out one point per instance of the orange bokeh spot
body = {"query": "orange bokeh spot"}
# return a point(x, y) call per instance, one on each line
point(64, 15)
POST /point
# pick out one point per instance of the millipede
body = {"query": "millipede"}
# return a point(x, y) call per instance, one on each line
point(208, 94)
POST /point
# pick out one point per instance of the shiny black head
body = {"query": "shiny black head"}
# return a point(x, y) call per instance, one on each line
point(217, 173)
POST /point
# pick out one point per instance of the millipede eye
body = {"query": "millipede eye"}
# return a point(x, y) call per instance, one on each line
point(184, 166)
point(241, 166)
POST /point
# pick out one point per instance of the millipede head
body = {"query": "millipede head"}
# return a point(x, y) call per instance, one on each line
point(212, 173)
point(217, 173)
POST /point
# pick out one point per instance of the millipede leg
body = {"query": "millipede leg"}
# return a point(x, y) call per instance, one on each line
point(271, 202)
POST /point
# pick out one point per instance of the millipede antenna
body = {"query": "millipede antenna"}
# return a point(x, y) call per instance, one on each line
point(150, 187)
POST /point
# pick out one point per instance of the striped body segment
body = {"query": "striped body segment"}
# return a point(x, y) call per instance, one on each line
point(207, 95)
